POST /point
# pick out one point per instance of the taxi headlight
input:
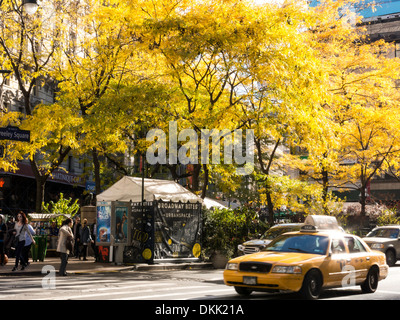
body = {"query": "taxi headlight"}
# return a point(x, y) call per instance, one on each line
point(286, 269)
point(231, 266)
point(377, 246)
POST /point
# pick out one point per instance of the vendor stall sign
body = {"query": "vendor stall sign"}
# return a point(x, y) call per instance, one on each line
point(177, 230)
point(103, 223)
point(104, 254)
point(142, 233)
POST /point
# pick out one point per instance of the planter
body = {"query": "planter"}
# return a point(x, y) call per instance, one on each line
point(219, 260)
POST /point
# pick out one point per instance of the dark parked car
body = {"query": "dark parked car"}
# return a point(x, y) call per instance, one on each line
point(256, 245)
point(387, 240)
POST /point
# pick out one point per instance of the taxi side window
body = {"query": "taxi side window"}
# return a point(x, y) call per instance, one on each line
point(354, 245)
point(337, 246)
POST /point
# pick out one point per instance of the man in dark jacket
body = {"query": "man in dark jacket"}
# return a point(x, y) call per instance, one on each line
point(76, 229)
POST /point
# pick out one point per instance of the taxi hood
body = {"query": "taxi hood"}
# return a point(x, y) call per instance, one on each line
point(274, 257)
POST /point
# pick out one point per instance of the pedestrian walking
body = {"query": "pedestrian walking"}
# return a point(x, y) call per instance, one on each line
point(65, 240)
point(54, 229)
point(3, 234)
point(10, 238)
point(29, 240)
point(21, 229)
point(77, 234)
point(94, 246)
point(86, 238)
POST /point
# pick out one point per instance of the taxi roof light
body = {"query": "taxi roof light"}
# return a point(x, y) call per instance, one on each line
point(320, 222)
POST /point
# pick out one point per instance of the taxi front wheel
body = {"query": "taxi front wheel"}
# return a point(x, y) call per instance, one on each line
point(243, 291)
point(312, 285)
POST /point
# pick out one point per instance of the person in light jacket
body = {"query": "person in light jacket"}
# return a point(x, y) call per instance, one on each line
point(20, 231)
point(64, 233)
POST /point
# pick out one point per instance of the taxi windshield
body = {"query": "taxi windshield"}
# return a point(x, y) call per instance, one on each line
point(304, 243)
point(384, 233)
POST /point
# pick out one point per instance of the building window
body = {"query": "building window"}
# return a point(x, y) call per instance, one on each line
point(397, 50)
point(71, 167)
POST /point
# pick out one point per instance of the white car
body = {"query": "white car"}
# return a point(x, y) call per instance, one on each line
point(256, 245)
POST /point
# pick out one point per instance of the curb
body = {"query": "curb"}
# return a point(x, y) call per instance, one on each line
point(112, 269)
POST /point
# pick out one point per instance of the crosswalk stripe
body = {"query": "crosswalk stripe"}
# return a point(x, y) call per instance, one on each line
point(108, 293)
point(185, 294)
point(135, 287)
point(35, 285)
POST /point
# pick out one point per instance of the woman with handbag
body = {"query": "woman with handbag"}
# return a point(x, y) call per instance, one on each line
point(21, 230)
point(65, 240)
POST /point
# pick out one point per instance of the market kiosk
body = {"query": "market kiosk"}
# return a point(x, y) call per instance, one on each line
point(165, 225)
point(46, 241)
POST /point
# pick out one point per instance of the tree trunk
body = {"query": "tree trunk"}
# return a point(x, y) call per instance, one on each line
point(205, 182)
point(40, 185)
point(363, 199)
point(325, 186)
point(96, 169)
point(195, 177)
point(270, 206)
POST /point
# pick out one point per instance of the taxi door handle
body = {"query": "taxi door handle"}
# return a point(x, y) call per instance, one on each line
point(368, 258)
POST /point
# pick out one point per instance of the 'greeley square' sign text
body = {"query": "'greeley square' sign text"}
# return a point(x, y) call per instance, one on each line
point(15, 134)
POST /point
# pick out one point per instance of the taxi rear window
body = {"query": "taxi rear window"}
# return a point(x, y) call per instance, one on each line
point(304, 243)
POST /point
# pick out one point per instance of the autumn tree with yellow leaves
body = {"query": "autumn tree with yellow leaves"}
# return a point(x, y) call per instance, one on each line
point(359, 137)
point(302, 78)
point(29, 46)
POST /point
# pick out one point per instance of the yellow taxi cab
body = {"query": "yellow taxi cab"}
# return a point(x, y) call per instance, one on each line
point(318, 256)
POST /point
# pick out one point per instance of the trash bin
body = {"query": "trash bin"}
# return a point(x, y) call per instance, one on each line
point(34, 249)
point(39, 249)
point(42, 248)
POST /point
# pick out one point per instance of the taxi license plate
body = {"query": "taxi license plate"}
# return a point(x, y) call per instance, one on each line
point(250, 280)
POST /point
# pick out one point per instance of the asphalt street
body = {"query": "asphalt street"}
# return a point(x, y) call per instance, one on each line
point(189, 284)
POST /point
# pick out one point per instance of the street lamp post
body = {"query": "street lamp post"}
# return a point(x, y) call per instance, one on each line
point(30, 6)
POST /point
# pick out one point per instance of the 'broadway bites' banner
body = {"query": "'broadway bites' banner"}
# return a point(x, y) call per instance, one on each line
point(177, 230)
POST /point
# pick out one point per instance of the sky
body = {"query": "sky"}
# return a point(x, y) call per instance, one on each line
point(382, 8)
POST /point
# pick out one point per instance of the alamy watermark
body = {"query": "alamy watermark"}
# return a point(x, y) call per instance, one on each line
point(194, 151)
point(49, 280)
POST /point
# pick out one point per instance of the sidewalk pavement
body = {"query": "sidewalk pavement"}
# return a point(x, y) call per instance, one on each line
point(76, 266)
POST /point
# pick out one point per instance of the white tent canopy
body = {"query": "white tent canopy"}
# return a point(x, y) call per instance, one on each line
point(47, 216)
point(211, 203)
point(130, 189)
